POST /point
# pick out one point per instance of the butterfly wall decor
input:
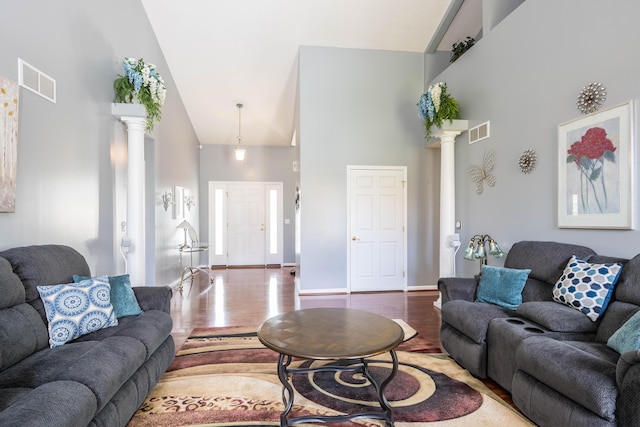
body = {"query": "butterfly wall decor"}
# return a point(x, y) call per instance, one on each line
point(482, 174)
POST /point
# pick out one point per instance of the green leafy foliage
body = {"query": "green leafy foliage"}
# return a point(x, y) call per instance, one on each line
point(461, 47)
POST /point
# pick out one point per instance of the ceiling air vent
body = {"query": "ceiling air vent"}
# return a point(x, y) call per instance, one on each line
point(36, 81)
point(479, 132)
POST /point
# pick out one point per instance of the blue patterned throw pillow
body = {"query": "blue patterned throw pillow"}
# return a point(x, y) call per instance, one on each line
point(76, 309)
point(587, 287)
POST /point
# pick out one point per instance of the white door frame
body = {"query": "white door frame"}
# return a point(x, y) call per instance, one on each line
point(403, 169)
point(217, 217)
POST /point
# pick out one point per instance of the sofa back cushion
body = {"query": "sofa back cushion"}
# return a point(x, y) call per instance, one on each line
point(626, 297)
point(45, 265)
point(536, 290)
point(22, 331)
point(546, 260)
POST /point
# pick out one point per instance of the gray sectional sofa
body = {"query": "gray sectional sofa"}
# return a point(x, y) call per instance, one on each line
point(553, 359)
point(99, 379)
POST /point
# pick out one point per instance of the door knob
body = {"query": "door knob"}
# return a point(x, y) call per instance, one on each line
point(261, 227)
point(354, 238)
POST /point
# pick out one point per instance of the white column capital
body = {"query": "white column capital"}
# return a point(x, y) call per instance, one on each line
point(129, 111)
point(448, 132)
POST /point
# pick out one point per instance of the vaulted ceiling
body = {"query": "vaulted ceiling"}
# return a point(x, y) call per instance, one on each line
point(224, 52)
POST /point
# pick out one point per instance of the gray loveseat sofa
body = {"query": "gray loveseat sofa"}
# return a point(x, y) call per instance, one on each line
point(99, 379)
point(553, 359)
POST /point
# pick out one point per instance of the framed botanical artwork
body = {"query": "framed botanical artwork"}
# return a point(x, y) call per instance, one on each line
point(595, 174)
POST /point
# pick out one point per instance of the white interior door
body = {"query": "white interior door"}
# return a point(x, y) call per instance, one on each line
point(245, 223)
point(377, 217)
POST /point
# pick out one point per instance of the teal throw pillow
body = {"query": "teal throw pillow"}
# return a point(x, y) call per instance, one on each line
point(627, 338)
point(123, 298)
point(502, 286)
point(587, 287)
point(76, 309)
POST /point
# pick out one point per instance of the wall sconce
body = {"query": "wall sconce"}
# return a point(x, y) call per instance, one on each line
point(189, 201)
point(477, 249)
point(167, 200)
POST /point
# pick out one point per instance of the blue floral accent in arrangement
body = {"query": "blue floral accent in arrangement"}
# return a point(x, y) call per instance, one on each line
point(141, 83)
point(76, 309)
point(437, 105)
point(587, 287)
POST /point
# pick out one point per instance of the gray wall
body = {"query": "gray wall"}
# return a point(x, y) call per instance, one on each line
point(217, 163)
point(524, 76)
point(71, 169)
point(358, 107)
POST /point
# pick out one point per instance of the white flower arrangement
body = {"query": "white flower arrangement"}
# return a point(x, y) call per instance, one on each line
point(141, 83)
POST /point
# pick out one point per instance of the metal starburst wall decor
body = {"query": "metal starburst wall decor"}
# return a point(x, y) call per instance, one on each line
point(591, 98)
point(527, 161)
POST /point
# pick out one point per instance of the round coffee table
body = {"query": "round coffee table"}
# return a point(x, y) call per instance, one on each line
point(331, 334)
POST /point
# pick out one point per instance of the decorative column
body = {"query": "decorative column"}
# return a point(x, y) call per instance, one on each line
point(446, 137)
point(135, 117)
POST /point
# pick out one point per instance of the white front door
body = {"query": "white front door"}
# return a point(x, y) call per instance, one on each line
point(245, 223)
point(377, 217)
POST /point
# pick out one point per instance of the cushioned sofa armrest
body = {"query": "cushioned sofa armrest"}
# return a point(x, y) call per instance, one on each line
point(154, 297)
point(628, 379)
point(453, 288)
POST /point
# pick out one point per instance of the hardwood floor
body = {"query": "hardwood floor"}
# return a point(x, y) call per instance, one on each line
point(248, 296)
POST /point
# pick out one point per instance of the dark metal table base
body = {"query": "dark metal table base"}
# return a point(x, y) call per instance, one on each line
point(384, 413)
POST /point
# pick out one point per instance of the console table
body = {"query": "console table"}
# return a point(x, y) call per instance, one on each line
point(192, 269)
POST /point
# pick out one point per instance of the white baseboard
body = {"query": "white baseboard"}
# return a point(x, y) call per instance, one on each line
point(423, 288)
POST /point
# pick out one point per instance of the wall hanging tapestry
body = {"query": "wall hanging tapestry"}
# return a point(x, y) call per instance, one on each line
point(8, 144)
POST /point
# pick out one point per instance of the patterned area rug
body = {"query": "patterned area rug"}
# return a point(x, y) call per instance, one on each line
point(226, 377)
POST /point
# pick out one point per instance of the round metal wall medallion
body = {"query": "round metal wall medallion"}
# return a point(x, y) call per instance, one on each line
point(528, 161)
point(591, 98)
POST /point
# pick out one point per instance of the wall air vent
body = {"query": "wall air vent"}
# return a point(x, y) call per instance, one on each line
point(479, 132)
point(36, 81)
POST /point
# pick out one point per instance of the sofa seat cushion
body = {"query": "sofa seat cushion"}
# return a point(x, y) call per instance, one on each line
point(556, 317)
point(55, 404)
point(150, 328)
point(457, 314)
point(8, 396)
point(102, 366)
point(583, 372)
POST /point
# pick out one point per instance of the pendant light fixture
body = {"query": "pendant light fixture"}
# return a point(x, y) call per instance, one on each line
point(239, 151)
